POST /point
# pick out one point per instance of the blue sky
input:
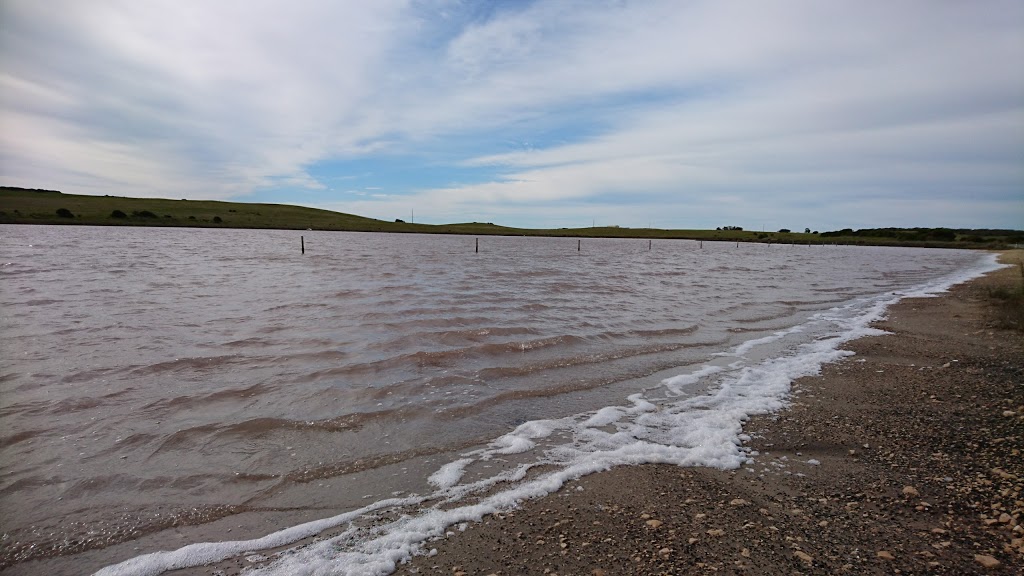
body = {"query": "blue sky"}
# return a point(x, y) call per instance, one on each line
point(673, 114)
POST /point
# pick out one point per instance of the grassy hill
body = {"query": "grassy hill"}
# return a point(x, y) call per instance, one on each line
point(29, 206)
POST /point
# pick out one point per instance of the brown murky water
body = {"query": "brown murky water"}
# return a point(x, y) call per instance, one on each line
point(160, 385)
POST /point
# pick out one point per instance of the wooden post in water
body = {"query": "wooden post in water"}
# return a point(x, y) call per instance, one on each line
point(302, 242)
point(578, 244)
point(701, 244)
point(477, 245)
point(649, 244)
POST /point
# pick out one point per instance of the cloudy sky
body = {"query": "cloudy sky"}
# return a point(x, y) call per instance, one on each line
point(672, 114)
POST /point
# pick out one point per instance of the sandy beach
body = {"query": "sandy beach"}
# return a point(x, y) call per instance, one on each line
point(904, 458)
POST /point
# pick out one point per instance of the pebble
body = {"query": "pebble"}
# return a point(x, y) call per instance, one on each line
point(987, 561)
point(911, 491)
point(654, 523)
point(885, 555)
point(804, 557)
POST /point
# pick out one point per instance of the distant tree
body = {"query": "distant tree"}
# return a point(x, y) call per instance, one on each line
point(118, 214)
point(64, 213)
point(807, 230)
point(399, 221)
point(784, 231)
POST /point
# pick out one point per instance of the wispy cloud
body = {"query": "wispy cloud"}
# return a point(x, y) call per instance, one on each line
point(544, 113)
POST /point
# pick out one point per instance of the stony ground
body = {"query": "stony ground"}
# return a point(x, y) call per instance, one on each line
point(903, 459)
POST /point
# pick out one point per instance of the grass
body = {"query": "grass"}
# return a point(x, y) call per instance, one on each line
point(1008, 302)
point(25, 206)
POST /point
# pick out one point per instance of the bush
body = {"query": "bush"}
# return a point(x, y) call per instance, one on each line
point(144, 214)
point(64, 213)
point(784, 231)
point(118, 214)
point(217, 220)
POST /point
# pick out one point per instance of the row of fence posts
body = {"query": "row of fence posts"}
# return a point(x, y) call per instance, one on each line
point(579, 244)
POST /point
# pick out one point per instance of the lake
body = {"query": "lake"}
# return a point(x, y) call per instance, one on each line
point(168, 387)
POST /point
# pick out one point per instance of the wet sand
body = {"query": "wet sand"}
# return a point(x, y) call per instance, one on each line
point(904, 458)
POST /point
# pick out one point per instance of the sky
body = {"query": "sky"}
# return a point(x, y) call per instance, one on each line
point(543, 114)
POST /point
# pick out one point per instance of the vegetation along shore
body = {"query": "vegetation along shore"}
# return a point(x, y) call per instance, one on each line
point(32, 206)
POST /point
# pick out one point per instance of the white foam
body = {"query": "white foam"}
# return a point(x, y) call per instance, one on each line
point(449, 474)
point(704, 430)
point(675, 384)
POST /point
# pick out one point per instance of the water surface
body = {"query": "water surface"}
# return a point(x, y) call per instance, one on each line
point(181, 381)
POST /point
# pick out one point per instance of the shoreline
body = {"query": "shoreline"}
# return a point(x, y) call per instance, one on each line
point(667, 519)
point(904, 458)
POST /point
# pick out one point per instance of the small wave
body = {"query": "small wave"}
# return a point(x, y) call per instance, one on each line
point(185, 402)
point(17, 437)
point(203, 363)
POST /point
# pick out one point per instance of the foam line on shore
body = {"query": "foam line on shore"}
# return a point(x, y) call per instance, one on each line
point(702, 430)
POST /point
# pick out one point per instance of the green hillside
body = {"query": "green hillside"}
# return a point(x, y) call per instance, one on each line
point(29, 206)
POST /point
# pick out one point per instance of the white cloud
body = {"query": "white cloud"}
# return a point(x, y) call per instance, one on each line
point(660, 109)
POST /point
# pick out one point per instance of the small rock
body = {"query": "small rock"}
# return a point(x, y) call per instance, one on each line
point(665, 551)
point(654, 523)
point(745, 553)
point(1005, 518)
point(885, 555)
point(716, 532)
point(804, 557)
point(1007, 413)
point(987, 561)
point(911, 491)
point(739, 502)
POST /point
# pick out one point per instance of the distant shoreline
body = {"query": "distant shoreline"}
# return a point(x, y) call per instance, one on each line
point(50, 207)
